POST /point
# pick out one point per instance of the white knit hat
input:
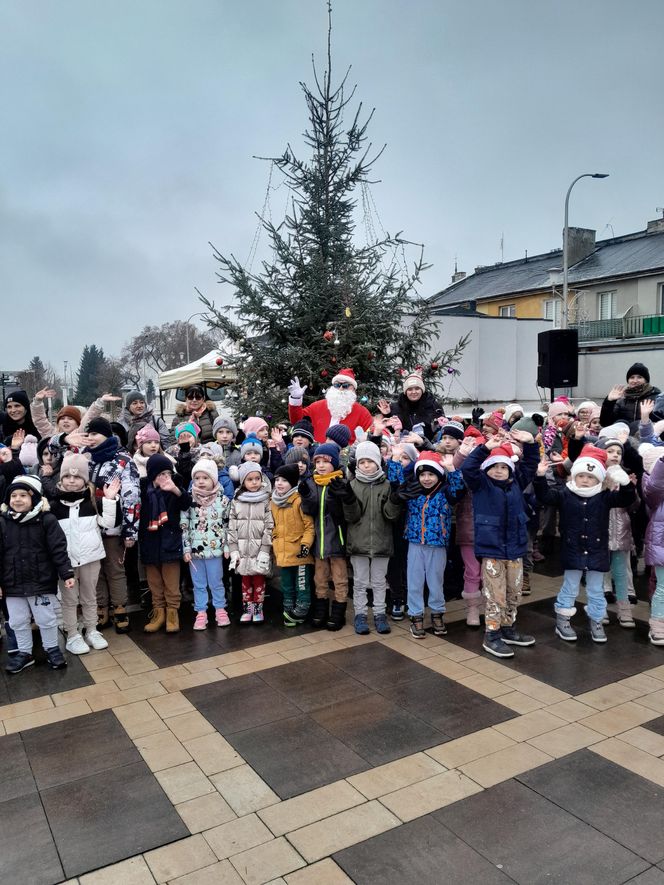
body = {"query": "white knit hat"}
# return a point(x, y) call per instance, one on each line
point(650, 455)
point(207, 466)
point(511, 410)
point(414, 380)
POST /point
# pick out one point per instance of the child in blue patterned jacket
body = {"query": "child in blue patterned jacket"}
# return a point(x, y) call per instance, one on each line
point(436, 486)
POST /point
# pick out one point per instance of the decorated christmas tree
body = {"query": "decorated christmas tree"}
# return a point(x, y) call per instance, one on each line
point(324, 300)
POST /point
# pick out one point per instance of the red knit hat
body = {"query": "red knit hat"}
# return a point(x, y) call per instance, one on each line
point(347, 376)
point(495, 420)
point(503, 454)
point(432, 461)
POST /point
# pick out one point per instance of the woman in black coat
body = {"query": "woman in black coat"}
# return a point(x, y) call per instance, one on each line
point(414, 406)
point(623, 402)
point(16, 416)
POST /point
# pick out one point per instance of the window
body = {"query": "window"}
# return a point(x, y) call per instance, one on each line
point(660, 300)
point(507, 310)
point(553, 310)
point(606, 305)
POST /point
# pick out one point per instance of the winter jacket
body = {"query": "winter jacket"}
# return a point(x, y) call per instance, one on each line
point(33, 555)
point(81, 522)
point(292, 529)
point(205, 420)
point(429, 519)
point(463, 511)
point(653, 494)
point(205, 529)
point(369, 516)
point(44, 426)
point(232, 455)
point(325, 504)
point(9, 470)
point(165, 544)
point(584, 523)
point(500, 518)
point(132, 424)
point(250, 528)
point(628, 408)
point(425, 410)
point(108, 461)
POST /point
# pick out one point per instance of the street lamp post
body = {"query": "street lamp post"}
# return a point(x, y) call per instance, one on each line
point(186, 328)
point(563, 317)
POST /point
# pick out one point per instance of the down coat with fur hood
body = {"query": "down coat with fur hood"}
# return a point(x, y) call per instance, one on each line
point(205, 420)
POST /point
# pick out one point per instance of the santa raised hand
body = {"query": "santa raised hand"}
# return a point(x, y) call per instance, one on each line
point(339, 406)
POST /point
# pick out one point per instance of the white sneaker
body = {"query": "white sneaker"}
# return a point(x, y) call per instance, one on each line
point(77, 645)
point(95, 640)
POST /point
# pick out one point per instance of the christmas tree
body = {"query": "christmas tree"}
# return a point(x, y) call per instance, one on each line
point(324, 301)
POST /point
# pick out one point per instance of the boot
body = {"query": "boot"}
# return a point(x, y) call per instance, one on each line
point(157, 620)
point(656, 634)
point(337, 615)
point(121, 619)
point(473, 611)
point(525, 584)
point(172, 620)
point(321, 612)
point(563, 627)
point(257, 616)
point(496, 645)
point(247, 612)
point(102, 617)
point(625, 618)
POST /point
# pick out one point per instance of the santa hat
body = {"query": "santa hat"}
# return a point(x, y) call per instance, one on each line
point(650, 455)
point(414, 380)
point(511, 411)
point(452, 428)
point(476, 434)
point(431, 461)
point(592, 460)
point(503, 454)
point(345, 376)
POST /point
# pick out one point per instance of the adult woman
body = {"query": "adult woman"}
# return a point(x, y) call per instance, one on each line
point(414, 406)
point(137, 414)
point(196, 408)
point(623, 402)
point(17, 417)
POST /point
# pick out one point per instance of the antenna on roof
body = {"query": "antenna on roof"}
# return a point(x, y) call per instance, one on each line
point(502, 246)
point(660, 209)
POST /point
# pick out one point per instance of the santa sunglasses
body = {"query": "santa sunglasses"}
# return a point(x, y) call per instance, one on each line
point(342, 385)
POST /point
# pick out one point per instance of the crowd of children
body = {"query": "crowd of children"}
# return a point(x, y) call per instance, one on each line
point(320, 511)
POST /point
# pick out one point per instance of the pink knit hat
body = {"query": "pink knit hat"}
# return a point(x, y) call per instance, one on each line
point(148, 433)
point(253, 425)
point(559, 408)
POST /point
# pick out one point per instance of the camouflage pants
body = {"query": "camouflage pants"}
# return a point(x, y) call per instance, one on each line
point(502, 580)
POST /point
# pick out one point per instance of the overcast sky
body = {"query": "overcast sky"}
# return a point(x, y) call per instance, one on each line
point(128, 131)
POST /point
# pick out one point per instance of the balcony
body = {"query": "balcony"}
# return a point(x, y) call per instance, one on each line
point(620, 327)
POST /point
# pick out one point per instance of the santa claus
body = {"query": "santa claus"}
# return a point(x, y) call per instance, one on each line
point(340, 406)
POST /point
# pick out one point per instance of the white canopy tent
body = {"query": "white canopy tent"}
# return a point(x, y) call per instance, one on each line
point(201, 371)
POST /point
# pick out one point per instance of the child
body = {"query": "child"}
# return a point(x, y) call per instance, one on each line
point(435, 487)
point(292, 539)
point(225, 431)
point(302, 434)
point(300, 457)
point(369, 512)
point(501, 534)
point(252, 450)
point(465, 540)
point(33, 554)
point(322, 498)
point(75, 509)
point(214, 452)
point(205, 542)
point(652, 485)
point(250, 528)
point(400, 468)
point(160, 541)
point(186, 449)
point(148, 443)
point(584, 532)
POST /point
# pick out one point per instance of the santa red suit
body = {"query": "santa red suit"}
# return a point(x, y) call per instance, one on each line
point(338, 407)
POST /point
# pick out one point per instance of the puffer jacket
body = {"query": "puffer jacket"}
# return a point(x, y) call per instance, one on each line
point(325, 504)
point(205, 420)
point(82, 522)
point(44, 426)
point(33, 555)
point(250, 527)
point(652, 486)
point(205, 529)
point(108, 461)
point(369, 517)
point(292, 529)
point(429, 518)
point(132, 424)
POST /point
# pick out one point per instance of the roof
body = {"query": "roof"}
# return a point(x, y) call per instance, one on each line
point(631, 255)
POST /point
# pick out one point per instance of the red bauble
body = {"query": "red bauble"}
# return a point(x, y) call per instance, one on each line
point(219, 361)
point(329, 335)
point(434, 366)
point(324, 373)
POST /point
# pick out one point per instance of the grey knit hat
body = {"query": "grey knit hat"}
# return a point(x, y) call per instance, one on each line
point(224, 422)
point(134, 395)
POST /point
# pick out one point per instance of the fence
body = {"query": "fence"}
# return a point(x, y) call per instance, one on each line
point(621, 327)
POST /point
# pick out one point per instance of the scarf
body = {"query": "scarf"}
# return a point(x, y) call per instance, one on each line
point(193, 410)
point(641, 390)
point(327, 478)
point(361, 476)
point(157, 510)
point(205, 499)
point(282, 500)
point(253, 497)
point(30, 514)
point(72, 497)
point(105, 451)
point(584, 493)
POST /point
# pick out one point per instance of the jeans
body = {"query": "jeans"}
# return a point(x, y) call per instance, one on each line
point(208, 573)
point(596, 607)
point(620, 563)
point(657, 601)
point(369, 571)
point(426, 563)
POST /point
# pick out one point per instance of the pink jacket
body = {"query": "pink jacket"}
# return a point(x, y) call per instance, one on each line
point(44, 426)
point(465, 534)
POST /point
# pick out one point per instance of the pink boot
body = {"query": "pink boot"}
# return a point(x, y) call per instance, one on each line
point(473, 610)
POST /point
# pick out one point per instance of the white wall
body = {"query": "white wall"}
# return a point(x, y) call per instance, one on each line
point(603, 367)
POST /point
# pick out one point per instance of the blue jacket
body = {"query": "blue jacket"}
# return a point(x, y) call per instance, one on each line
point(429, 519)
point(500, 520)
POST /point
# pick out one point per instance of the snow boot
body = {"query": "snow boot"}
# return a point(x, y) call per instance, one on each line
point(321, 612)
point(656, 634)
point(337, 615)
point(625, 617)
point(157, 620)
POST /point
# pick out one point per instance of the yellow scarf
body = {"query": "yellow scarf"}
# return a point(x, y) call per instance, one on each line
point(327, 478)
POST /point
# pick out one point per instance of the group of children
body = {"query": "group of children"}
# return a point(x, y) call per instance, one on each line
point(392, 510)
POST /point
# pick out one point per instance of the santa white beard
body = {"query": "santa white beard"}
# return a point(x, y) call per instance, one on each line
point(340, 403)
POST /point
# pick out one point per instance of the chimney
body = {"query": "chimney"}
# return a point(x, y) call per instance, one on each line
point(458, 275)
point(580, 244)
point(656, 226)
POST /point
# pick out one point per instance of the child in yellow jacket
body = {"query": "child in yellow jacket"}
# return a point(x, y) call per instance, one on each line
point(292, 538)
